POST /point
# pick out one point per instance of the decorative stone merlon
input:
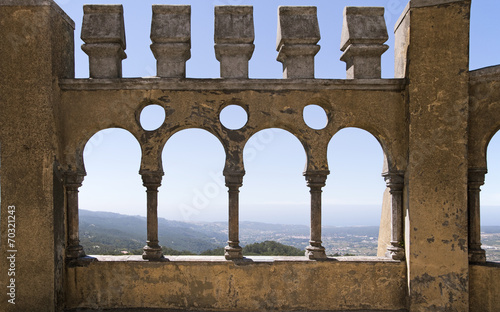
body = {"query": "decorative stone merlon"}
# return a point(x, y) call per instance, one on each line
point(296, 43)
point(234, 35)
point(171, 37)
point(364, 33)
point(103, 32)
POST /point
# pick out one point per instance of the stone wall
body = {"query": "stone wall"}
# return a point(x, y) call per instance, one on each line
point(433, 121)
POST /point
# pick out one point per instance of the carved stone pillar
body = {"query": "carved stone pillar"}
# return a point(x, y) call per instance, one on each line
point(298, 35)
point(103, 32)
point(315, 181)
point(234, 36)
point(171, 37)
point(475, 180)
point(363, 35)
point(234, 181)
point(395, 183)
point(152, 181)
point(72, 182)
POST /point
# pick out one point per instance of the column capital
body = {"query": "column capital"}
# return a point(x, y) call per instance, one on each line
point(234, 178)
point(316, 178)
point(475, 177)
point(151, 178)
point(394, 180)
point(73, 179)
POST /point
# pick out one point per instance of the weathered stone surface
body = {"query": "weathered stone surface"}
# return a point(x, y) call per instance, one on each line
point(253, 284)
point(484, 287)
point(234, 35)
point(296, 42)
point(436, 200)
point(36, 49)
point(434, 123)
point(103, 32)
point(171, 37)
point(363, 36)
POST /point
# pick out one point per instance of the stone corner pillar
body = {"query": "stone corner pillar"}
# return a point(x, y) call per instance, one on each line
point(316, 181)
point(152, 181)
point(103, 32)
point(436, 178)
point(234, 36)
point(234, 180)
point(364, 33)
point(171, 37)
point(475, 181)
point(296, 42)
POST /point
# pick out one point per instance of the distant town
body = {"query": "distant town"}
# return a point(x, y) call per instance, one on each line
point(117, 234)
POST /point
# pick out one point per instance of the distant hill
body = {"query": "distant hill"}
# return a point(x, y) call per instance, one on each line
point(267, 248)
point(109, 233)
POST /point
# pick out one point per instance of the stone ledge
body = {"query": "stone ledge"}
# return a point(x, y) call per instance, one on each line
point(232, 84)
point(426, 3)
point(245, 260)
point(485, 74)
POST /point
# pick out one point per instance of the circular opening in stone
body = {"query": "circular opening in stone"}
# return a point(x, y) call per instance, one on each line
point(152, 117)
point(315, 117)
point(233, 117)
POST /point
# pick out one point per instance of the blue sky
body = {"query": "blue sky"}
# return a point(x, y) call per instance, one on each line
point(274, 189)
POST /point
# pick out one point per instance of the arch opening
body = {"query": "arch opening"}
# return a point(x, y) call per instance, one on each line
point(490, 202)
point(112, 203)
point(274, 198)
point(352, 197)
point(193, 195)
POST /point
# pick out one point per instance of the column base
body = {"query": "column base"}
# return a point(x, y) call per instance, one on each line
point(395, 252)
point(477, 256)
point(75, 252)
point(231, 253)
point(153, 254)
point(315, 253)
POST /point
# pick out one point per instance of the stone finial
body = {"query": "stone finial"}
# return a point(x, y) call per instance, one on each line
point(296, 43)
point(171, 37)
point(103, 32)
point(234, 35)
point(364, 33)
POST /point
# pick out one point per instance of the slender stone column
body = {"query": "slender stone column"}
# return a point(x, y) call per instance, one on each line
point(298, 35)
point(395, 183)
point(171, 37)
point(103, 32)
point(475, 180)
point(152, 181)
point(234, 181)
point(72, 182)
point(315, 181)
point(234, 36)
